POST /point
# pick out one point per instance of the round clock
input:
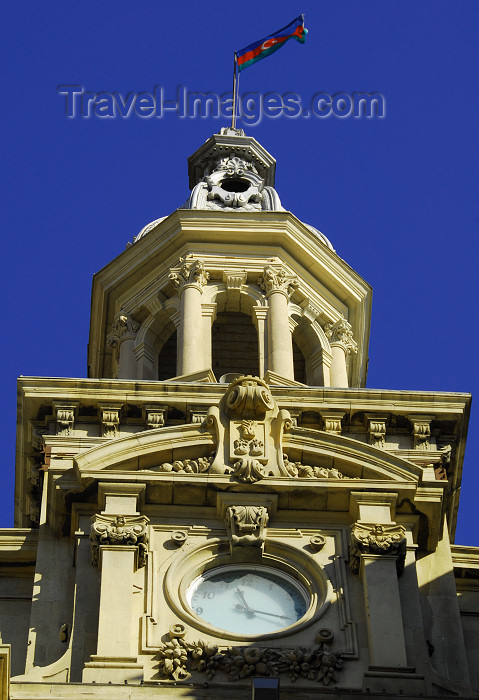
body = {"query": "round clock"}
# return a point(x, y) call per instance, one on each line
point(247, 599)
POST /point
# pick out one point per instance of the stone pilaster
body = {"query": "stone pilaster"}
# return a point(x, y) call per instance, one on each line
point(340, 335)
point(119, 543)
point(278, 287)
point(377, 554)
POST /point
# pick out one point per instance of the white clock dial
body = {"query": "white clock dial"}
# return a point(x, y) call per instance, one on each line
point(250, 600)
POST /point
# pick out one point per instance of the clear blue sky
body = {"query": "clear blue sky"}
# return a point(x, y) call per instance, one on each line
point(397, 196)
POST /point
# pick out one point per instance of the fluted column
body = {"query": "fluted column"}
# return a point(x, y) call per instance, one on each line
point(189, 278)
point(122, 337)
point(278, 287)
point(342, 343)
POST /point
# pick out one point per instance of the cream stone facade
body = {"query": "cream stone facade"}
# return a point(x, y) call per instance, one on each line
point(222, 509)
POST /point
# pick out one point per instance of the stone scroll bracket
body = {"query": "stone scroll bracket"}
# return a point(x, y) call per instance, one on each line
point(248, 427)
point(421, 426)
point(246, 517)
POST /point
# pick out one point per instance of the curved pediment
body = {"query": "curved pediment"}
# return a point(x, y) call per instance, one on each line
point(146, 450)
point(350, 457)
point(306, 454)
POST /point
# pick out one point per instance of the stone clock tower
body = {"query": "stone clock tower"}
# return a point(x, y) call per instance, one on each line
point(222, 509)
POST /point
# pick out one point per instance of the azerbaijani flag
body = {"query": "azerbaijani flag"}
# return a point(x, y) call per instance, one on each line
point(264, 47)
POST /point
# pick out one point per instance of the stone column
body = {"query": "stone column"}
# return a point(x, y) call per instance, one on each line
point(278, 287)
point(122, 337)
point(189, 278)
point(260, 314)
point(209, 317)
point(342, 343)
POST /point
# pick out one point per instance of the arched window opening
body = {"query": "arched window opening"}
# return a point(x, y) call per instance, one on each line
point(299, 364)
point(167, 358)
point(234, 345)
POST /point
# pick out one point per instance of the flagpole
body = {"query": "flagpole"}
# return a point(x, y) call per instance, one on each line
point(235, 86)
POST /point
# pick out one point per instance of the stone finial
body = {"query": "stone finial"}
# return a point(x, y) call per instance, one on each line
point(246, 525)
point(124, 327)
point(119, 530)
point(377, 539)
point(341, 333)
point(189, 272)
point(275, 279)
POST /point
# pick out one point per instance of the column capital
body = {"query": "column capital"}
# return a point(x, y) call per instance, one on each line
point(341, 333)
point(189, 273)
point(124, 327)
point(275, 279)
point(119, 531)
point(370, 539)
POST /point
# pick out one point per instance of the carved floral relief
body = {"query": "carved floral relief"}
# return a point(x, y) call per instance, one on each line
point(321, 664)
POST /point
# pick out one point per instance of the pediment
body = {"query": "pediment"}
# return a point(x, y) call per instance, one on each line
point(316, 454)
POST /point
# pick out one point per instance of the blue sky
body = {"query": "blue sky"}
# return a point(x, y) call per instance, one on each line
point(397, 196)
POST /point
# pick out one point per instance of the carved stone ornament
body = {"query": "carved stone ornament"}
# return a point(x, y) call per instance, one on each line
point(341, 333)
point(185, 466)
point(110, 421)
point(276, 280)
point(65, 418)
point(304, 471)
point(178, 658)
point(189, 272)
point(119, 530)
point(155, 418)
point(124, 327)
point(248, 398)
point(246, 525)
point(235, 183)
point(421, 432)
point(377, 432)
point(377, 539)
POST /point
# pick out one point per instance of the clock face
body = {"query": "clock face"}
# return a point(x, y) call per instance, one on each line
point(249, 600)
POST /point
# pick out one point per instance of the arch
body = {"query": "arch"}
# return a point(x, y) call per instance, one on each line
point(234, 342)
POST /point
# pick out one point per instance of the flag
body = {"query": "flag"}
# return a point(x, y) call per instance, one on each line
point(264, 47)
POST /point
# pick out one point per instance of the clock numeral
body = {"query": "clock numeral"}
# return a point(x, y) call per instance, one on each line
point(208, 594)
point(199, 611)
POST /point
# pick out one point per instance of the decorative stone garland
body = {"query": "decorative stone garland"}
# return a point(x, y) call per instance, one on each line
point(178, 658)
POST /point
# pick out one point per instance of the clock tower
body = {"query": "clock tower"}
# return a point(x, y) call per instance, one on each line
point(222, 508)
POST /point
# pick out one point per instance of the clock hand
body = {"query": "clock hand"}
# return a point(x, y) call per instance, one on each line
point(245, 605)
point(261, 612)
